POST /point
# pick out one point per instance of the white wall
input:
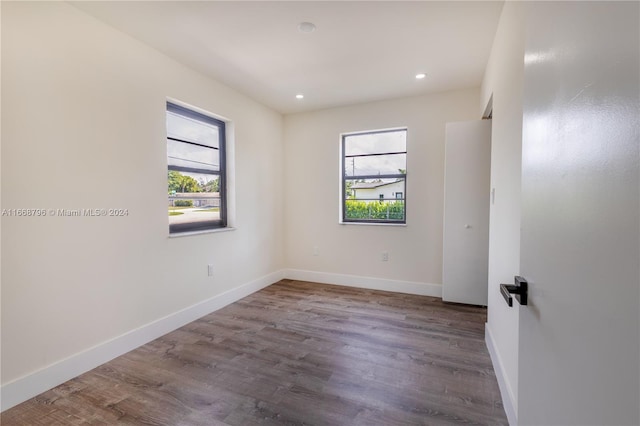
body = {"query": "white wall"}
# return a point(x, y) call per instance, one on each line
point(0, 208)
point(579, 337)
point(312, 157)
point(503, 79)
point(83, 126)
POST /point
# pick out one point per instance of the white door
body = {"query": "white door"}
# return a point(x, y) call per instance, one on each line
point(466, 212)
point(579, 357)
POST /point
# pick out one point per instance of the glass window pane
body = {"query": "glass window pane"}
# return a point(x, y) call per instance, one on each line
point(185, 128)
point(375, 199)
point(376, 143)
point(374, 189)
point(195, 208)
point(193, 197)
point(375, 210)
point(183, 154)
point(185, 182)
point(375, 165)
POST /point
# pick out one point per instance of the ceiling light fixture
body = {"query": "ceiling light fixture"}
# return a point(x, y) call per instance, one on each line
point(299, 96)
point(306, 27)
point(421, 76)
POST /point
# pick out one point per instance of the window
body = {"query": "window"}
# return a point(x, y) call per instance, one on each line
point(196, 170)
point(374, 176)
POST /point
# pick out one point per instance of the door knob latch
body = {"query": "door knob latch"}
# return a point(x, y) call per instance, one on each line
point(519, 289)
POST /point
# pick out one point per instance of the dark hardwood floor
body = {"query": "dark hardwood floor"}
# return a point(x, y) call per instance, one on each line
point(294, 353)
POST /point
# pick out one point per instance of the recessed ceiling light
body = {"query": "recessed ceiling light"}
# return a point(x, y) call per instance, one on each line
point(421, 76)
point(306, 27)
point(299, 96)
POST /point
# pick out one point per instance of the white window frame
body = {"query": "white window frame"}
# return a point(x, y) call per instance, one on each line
point(344, 178)
point(222, 222)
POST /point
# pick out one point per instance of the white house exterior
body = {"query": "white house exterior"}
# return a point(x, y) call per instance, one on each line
point(379, 190)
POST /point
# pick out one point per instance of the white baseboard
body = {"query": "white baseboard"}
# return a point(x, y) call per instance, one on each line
point(508, 400)
point(26, 387)
point(409, 287)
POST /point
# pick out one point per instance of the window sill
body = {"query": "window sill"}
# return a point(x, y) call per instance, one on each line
point(206, 231)
point(372, 224)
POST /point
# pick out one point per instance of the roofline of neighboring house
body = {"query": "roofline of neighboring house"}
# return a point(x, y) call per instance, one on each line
point(378, 184)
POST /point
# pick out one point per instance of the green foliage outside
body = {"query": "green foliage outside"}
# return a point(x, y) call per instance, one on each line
point(347, 188)
point(211, 186)
point(172, 213)
point(374, 210)
point(177, 182)
point(183, 203)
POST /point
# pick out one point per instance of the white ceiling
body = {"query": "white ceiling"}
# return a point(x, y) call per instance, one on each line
point(361, 51)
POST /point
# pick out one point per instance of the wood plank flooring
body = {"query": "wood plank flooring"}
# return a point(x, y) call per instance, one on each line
point(294, 353)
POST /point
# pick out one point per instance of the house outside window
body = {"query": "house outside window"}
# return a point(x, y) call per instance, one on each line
point(196, 176)
point(374, 175)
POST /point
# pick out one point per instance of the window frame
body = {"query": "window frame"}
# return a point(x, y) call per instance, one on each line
point(345, 178)
point(181, 228)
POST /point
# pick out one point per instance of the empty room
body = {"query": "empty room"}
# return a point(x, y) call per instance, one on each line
point(320, 212)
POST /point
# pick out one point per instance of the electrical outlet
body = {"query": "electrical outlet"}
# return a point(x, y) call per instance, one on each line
point(210, 270)
point(384, 256)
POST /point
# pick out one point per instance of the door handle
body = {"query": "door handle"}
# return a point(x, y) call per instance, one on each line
point(519, 288)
